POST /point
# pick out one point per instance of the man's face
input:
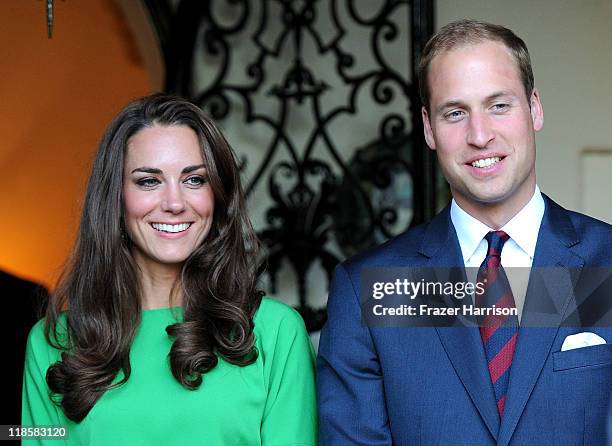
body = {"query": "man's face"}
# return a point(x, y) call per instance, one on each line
point(482, 126)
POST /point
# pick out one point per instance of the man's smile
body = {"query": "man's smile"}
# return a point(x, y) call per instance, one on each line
point(486, 162)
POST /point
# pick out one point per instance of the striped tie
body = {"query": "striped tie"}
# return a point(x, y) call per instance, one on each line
point(498, 333)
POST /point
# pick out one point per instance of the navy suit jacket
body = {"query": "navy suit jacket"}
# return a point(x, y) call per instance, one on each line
point(431, 386)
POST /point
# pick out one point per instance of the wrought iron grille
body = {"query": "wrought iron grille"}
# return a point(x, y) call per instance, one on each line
point(325, 200)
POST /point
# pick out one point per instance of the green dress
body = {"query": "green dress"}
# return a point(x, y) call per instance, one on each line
point(270, 402)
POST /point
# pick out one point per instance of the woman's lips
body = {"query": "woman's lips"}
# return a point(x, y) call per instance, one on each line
point(169, 230)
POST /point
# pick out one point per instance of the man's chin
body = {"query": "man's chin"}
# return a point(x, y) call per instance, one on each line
point(491, 200)
point(481, 198)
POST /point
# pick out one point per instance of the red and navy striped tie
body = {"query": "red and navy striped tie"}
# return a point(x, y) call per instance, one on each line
point(498, 333)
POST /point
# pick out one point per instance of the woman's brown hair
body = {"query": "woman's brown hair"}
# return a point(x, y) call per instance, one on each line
point(100, 285)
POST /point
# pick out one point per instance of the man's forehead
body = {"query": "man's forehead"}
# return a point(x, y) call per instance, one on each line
point(481, 46)
point(486, 67)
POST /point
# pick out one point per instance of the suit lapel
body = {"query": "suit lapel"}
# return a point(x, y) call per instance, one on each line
point(552, 292)
point(462, 345)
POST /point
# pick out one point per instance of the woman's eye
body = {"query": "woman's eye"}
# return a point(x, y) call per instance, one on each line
point(148, 182)
point(196, 180)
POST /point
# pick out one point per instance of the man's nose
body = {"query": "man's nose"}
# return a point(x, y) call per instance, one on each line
point(173, 200)
point(480, 131)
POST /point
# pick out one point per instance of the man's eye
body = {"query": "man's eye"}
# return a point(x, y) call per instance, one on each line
point(454, 115)
point(195, 181)
point(148, 182)
point(500, 107)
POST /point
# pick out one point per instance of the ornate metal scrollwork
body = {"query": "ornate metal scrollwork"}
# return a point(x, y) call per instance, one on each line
point(322, 206)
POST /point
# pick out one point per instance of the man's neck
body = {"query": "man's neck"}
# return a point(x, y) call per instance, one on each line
point(494, 215)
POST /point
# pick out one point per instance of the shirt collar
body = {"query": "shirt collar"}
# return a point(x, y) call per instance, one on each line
point(524, 227)
point(520, 228)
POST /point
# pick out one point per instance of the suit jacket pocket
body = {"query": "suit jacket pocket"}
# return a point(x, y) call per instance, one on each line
point(595, 356)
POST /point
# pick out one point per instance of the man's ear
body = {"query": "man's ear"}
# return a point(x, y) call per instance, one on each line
point(537, 112)
point(429, 139)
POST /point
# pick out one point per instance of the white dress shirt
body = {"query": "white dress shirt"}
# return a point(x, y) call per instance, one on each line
point(518, 251)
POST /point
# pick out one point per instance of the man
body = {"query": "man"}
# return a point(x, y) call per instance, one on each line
point(449, 385)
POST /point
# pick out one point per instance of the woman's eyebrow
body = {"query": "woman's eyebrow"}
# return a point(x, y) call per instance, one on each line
point(187, 169)
point(147, 170)
point(190, 169)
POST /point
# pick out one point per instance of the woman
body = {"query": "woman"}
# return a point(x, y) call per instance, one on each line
point(156, 333)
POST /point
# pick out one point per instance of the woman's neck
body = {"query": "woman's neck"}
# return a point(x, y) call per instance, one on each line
point(156, 282)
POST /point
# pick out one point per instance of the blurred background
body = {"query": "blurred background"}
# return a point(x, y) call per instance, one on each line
point(316, 97)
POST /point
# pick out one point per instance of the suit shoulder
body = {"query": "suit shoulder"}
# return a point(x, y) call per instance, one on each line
point(405, 245)
point(587, 225)
point(595, 239)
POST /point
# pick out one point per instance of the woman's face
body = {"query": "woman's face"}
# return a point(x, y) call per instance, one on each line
point(168, 201)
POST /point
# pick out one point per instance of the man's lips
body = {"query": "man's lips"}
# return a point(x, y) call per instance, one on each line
point(485, 160)
point(485, 166)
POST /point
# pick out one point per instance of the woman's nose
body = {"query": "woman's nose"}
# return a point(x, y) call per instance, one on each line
point(173, 200)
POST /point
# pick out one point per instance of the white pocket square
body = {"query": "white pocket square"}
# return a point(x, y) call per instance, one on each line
point(580, 340)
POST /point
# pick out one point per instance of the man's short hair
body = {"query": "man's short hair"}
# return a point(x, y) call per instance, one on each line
point(470, 32)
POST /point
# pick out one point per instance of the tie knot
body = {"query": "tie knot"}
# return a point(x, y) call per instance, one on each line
point(496, 240)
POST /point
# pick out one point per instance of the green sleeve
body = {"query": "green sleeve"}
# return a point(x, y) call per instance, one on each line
point(290, 416)
point(37, 407)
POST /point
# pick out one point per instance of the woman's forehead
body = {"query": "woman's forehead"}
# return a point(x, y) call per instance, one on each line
point(175, 145)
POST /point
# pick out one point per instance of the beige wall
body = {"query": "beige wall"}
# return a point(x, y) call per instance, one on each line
point(56, 97)
point(570, 42)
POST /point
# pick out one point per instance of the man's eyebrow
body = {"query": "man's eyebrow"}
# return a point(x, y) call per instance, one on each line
point(499, 94)
point(154, 170)
point(449, 104)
